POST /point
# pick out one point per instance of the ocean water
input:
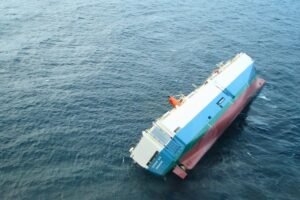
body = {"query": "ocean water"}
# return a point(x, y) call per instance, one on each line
point(80, 80)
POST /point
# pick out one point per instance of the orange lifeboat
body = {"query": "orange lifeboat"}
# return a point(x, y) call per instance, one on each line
point(174, 102)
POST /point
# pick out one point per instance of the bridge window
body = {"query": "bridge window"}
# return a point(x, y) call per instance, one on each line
point(177, 129)
point(152, 158)
point(160, 135)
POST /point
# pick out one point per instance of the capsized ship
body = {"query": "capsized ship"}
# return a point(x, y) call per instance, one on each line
point(180, 138)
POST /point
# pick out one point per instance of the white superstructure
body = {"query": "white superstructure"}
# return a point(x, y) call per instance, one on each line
point(164, 128)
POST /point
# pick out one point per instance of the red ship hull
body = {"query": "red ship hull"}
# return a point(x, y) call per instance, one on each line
point(191, 158)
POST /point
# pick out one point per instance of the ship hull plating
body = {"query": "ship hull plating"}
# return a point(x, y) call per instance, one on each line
point(192, 157)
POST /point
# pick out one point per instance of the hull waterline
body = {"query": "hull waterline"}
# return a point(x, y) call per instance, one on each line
point(191, 158)
point(181, 137)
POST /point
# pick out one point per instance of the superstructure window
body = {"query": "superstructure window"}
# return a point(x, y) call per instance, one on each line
point(177, 129)
point(152, 158)
point(160, 135)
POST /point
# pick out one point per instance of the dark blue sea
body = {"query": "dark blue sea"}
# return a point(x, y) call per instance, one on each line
point(80, 80)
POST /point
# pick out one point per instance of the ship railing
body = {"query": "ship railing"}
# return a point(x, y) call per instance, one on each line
point(220, 68)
